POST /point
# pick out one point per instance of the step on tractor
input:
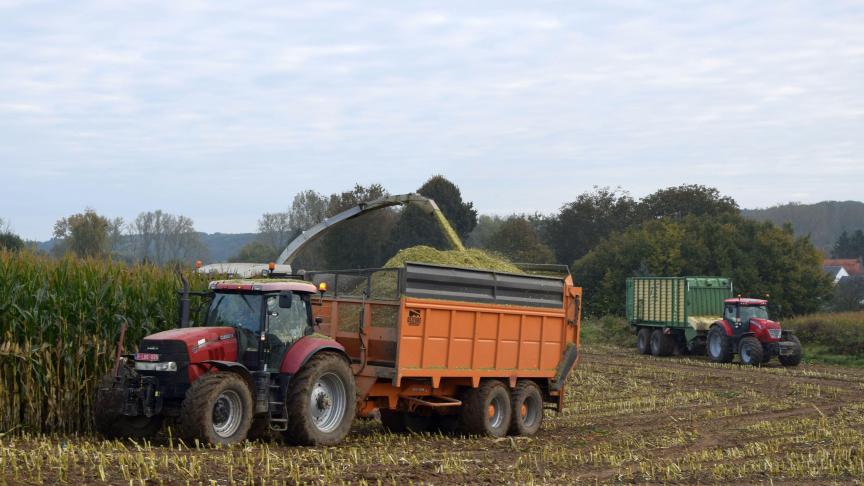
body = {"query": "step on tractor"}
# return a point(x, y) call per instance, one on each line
point(424, 346)
point(695, 315)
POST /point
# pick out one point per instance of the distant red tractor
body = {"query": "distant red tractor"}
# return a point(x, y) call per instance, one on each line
point(747, 330)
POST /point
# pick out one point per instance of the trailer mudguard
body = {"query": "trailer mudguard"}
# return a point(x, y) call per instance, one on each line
point(568, 359)
point(302, 351)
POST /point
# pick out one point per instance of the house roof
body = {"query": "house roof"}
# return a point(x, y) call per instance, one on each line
point(853, 266)
point(833, 270)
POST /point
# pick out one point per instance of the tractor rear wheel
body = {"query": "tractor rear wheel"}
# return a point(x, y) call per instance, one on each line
point(661, 343)
point(643, 340)
point(486, 409)
point(217, 409)
point(527, 406)
point(321, 402)
point(719, 345)
point(750, 350)
point(795, 358)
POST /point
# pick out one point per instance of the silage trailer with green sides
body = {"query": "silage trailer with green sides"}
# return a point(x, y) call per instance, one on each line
point(674, 312)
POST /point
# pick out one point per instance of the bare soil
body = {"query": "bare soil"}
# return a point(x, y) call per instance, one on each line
point(628, 419)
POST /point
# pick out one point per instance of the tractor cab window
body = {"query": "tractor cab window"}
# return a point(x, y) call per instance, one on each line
point(750, 311)
point(242, 311)
point(284, 326)
point(729, 313)
point(287, 325)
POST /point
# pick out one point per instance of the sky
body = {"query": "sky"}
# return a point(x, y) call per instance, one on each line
point(222, 111)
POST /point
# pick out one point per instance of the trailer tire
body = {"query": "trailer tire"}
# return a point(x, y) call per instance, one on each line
point(643, 340)
point(486, 409)
point(527, 409)
point(794, 359)
point(217, 409)
point(661, 344)
point(719, 345)
point(750, 351)
point(321, 401)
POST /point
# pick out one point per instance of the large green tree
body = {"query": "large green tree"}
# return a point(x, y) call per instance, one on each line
point(360, 242)
point(677, 202)
point(583, 223)
point(517, 239)
point(760, 258)
point(849, 246)
point(417, 227)
point(87, 234)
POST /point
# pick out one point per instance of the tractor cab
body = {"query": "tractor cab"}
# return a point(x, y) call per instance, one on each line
point(742, 313)
point(267, 317)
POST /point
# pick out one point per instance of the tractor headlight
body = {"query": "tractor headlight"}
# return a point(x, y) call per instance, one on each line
point(163, 366)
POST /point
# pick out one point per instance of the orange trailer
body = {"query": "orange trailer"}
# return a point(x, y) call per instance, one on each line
point(430, 345)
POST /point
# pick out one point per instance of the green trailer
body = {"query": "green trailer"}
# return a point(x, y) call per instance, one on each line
point(674, 312)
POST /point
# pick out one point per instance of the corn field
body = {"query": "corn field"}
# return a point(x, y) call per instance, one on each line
point(59, 323)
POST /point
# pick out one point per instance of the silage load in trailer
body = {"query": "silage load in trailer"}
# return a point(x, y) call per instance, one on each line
point(470, 258)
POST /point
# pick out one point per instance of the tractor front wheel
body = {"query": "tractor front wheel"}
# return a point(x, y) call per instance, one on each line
point(217, 409)
point(750, 350)
point(719, 345)
point(321, 402)
point(795, 358)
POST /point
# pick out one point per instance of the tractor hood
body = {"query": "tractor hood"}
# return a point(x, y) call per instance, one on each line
point(765, 330)
point(202, 343)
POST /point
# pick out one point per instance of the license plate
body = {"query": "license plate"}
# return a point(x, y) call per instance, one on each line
point(146, 357)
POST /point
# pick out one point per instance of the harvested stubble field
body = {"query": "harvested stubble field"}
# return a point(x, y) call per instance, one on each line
point(628, 419)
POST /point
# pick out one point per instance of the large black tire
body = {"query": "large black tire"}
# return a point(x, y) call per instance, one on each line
point(117, 426)
point(217, 409)
point(750, 351)
point(527, 409)
point(643, 340)
point(327, 381)
point(719, 345)
point(793, 359)
point(486, 410)
point(661, 344)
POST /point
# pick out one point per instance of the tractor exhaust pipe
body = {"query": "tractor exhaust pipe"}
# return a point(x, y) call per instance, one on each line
point(184, 301)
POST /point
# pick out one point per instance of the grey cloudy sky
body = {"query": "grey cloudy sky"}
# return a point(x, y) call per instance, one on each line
point(222, 111)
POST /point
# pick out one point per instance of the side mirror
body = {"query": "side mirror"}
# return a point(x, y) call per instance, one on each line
point(285, 298)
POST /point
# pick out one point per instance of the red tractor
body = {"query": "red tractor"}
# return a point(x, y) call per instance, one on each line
point(230, 378)
point(747, 330)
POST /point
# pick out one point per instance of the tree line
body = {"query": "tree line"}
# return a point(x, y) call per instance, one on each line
point(604, 235)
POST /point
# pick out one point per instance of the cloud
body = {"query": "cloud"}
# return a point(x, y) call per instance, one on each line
point(183, 97)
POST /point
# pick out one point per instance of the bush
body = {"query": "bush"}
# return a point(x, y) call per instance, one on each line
point(840, 333)
point(608, 329)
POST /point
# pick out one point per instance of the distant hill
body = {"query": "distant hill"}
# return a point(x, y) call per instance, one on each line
point(823, 221)
point(220, 246)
